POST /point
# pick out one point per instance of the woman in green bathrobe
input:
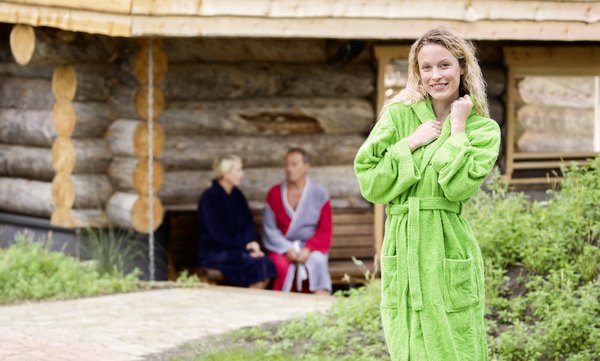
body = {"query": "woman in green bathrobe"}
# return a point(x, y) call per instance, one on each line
point(427, 155)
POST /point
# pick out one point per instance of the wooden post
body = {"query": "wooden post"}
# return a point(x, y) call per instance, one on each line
point(383, 54)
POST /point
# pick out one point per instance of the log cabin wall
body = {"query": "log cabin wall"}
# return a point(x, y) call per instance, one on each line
point(255, 98)
point(54, 112)
point(252, 97)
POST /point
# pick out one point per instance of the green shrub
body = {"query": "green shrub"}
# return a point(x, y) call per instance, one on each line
point(28, 271)
point(550, 311)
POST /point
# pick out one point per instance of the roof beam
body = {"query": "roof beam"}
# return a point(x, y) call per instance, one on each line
point(381, 19)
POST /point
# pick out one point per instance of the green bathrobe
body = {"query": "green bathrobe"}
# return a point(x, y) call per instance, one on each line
point(432, 300)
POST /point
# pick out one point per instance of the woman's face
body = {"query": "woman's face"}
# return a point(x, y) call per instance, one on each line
point(440, 72)
point(235, 175)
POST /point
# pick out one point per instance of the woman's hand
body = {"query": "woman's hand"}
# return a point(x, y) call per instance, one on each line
point(424, 134)
point(459, 112)
point(254, 249)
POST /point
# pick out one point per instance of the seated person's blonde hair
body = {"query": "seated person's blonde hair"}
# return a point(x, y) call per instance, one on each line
point(224, 164)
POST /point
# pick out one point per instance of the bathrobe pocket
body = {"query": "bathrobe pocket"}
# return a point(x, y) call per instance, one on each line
point(390, 285)
point(460, 284)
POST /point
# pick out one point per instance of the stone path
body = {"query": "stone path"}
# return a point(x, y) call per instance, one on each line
point(128, 327)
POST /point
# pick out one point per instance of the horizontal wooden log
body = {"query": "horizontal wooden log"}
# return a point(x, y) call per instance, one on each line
point(36, 93)
point(130, 138)
point(26, 162)
point(269, 116)
point(234, 50)
point(552, 142)
point(183, 187)
point(56, 47)
point(33, 198)
point(562, 91)
point(83, 82)
point(26, 127)
point(41, 127)
point(185, 82)
point(198, 152)
point(31, 71)
point(81, 191)
point(131, 102)
point(130, 211)
point(219, 81)
point(81, 156)
point(79, 218)
point(561, 121)
point(81, 119)
point(131, 174)
point(26, 93)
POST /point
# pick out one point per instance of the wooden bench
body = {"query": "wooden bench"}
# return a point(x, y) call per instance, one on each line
point(352, 237)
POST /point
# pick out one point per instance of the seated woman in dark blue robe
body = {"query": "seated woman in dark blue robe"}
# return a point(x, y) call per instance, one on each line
point(228, 239)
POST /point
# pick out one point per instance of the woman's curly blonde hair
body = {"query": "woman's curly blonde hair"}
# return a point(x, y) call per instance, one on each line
point(471, 82)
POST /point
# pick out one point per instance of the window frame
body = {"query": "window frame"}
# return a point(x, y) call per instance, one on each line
point(549, 61)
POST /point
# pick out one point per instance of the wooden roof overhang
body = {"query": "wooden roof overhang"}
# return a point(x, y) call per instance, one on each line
point(359, 19)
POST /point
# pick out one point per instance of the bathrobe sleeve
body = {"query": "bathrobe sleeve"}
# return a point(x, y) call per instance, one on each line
point(321, 240)
point(273, 239)
point(384, 163)
point(466, 159)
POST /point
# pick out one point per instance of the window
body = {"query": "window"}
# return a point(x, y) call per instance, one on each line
point(553, 110)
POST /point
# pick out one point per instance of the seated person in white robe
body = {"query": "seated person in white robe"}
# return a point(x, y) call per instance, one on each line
point(297, 227)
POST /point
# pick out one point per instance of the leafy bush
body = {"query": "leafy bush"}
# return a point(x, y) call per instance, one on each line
point(542, 264)
point(28, 271)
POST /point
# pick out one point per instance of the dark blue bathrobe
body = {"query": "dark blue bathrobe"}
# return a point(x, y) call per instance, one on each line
point(226, 227)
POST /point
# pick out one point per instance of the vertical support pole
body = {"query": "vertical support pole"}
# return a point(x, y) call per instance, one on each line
point(510, 124)
point(151, 157)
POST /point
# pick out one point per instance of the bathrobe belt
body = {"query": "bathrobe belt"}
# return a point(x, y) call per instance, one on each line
point(412, 208)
